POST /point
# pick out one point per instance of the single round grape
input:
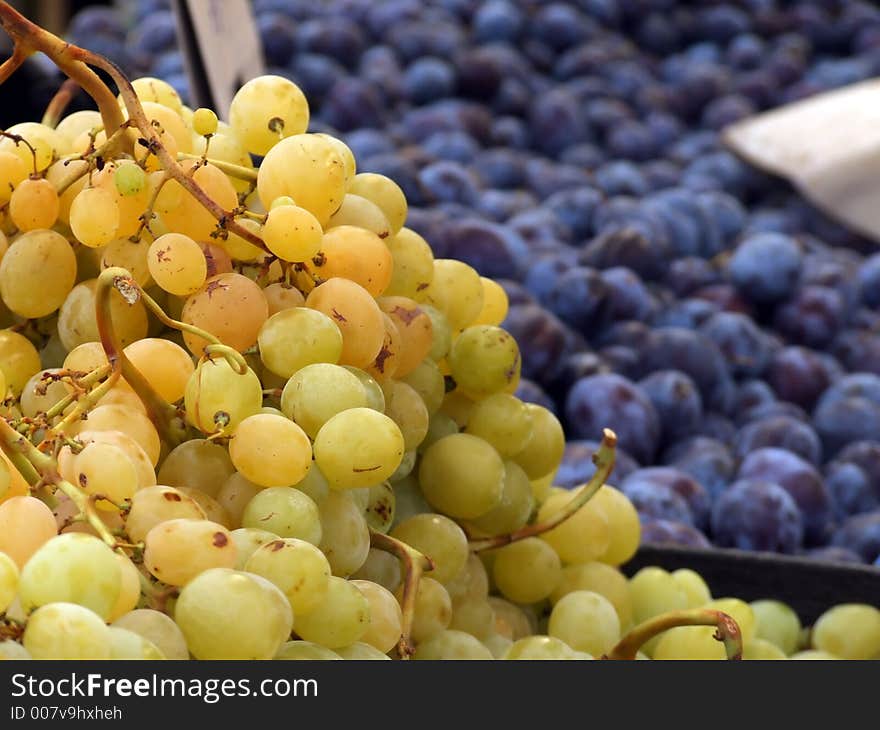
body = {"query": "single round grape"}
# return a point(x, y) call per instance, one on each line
point(356, 254)
point(62, 630)
point(305, 650)
point(266, 110)
point(212, 605)
point(413, 264)
point(495, 303)
point(125, 644)
point(386, 618)
point(176, 551)
point(151, 506)
point(380, 507)
point(358, 448)
point(26, 524)
point(229, 306)
point(484, 360)
point(580, 538)
point(504, 421)
point(385, 193)
point(359, 212)
point(451, 644)
point(37, 273)
point(598, 578)
point(586, 621)
point(849, 631)
point(309, 169)
point(219, 398)
point(515, 507)
point(340, 619)
point(94, 217)
point(34, 205)
point(318, 392)
point(462, 476)
point(165, 364)
point(526, 571)
point(345, 536)
point(72, 568)
point(456, 291)
point(77, 323)
point(204, 121)
point(437, 537)
point(8, 581)
point(777, 623)
point(433, 609)
point(297, 567)
point(105, 470)
point(372, 389)
point(415, 329)
point(694, 587)
point(19, 360)
point(129, 179)
point(284, 512)
point(281, 296)
point(41, 392)
point(159, 629)
point(292, 233)
point(196, 464)
point(537, 648)
point(623, 521)
point(177, 264)
point(270, 450)
point(356, 314)
point(297, 337)
point(546, 444)
point(151, 89)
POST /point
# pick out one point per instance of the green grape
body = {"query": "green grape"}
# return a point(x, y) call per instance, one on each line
point(197, 464)
point(158, 629)
point(653, 591)
point(105, 470)
point(340, 619)
point(314, 484)
point(247, 541)
point(305, 650)
point(129, 179)
point(362, 213)
point(474, 617)
point(358, 448)
point(408, 499)
point(234, 496)
point(383, 192)
point(778, 624)
point(386, 617)
point(848, 631)
point(41, 392)
point(694, 587)
point(125, 644)
point(544, 449)
point(758, 649)
point(740, 611)
point(267, 109)
point(77, 323)
point(372, 389)
point(228, 614)
point(62, 630)
point(451, 644)
point(71, 568)
point(433, 609)
point(515, 507)
point(485, 360)
point(427, 380)
point(582, 537)
point(177, 264)
point(297, 337)
point(538, 648)
point(441, 329)
point(598, 578)
point(316, 393)
point(456, 291)
point(345, 536)
point(689, 642)
point(129, 589)
point(204, 122)
point(407, 409)
point(292, 233)
point(407, 464)
point(504, 421)
point(361, 651)
point(217, 398)
point(439, 538)
point(813, 654)
point(308, 168)
point(37, 273)
point(8, 581)
point(510, 620)
point(499, 645)
point(13, 650)
point(586, 621)
point(623, 519)
point(526, 571)
point(472, 581)
point(270, 450)
point(379, 511)
point(34, 205)
point(298, 568)
point(178, 550)
point(462, 476)
point(439, 426)
point(26, 524)
point(285, 512)
point(413, 264)
point(283, 200)
point(380, 567)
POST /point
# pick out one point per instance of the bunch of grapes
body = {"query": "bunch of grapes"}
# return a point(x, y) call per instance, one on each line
point(249, 415)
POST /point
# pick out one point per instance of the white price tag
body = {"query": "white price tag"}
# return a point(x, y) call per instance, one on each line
point(828, 146)
point(221, 49)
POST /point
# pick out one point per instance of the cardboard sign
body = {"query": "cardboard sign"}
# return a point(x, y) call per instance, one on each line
point(221, 49)
point(828, 146)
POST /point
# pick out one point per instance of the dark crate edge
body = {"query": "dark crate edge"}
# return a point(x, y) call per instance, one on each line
point(810, 587)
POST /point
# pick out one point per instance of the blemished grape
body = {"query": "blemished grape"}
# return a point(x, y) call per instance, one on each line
point(297, 567)
point(292, 233)
point(355, 254)
point(266, 110)
point(485, 360)
point(104, 470)
point(285, 512)
point(177, 264)
point(77, 323)
point(178, 550)
point(413, 267)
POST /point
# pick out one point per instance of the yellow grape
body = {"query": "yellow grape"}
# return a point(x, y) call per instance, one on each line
point(362, 213)
point(229, 306)
point(19, 360)
point(297, 568)
point(41, 393)
point(8, 581)
point(77, 323)
point(177, 264)
point(623, 519)
point(345, 535)
point(282, 296)
point(546, 445)
point(197, 464)
point(386, 362)
point(581, 538)
point(151, 89)
point(386, 617)
point(129, 588)
point(429, 383)
point(135, 424)
point(345, 153)
point(37, 273)
point(46, 142)
point(158, 629)
point(266, 110)
point(239, 248)
point(204, 122)
point(189, 216)
point(270, 450)
point(165, 364)
point(26, 524)
point(105, 470)
point(94, 217)
point(599, 578)
point(153, 505)
point(219, 398)
point(73, 125)
point(406, 408)
point(12, 171)
point(415, 329)
point(65, 630)
point(526, 571)
point(297, 337)
point(495, 303)
point(485, 360)
point(356, 254)
point(413, 267)
point(132, 449)
point(178, 550)
point(385, 193)
point(317, 392)
point(456, 291)
point(128, 255)
point(292, 233)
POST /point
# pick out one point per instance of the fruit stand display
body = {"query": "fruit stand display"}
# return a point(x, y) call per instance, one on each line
point(249, 375)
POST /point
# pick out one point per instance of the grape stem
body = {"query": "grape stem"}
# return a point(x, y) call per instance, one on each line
point(167, 419)
point(727, 631)
point(59, 103)
point(32, 463)
point(83, 406)
point(604, 461)
point(241, 172)
point(414, 564)
point(88, 380)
